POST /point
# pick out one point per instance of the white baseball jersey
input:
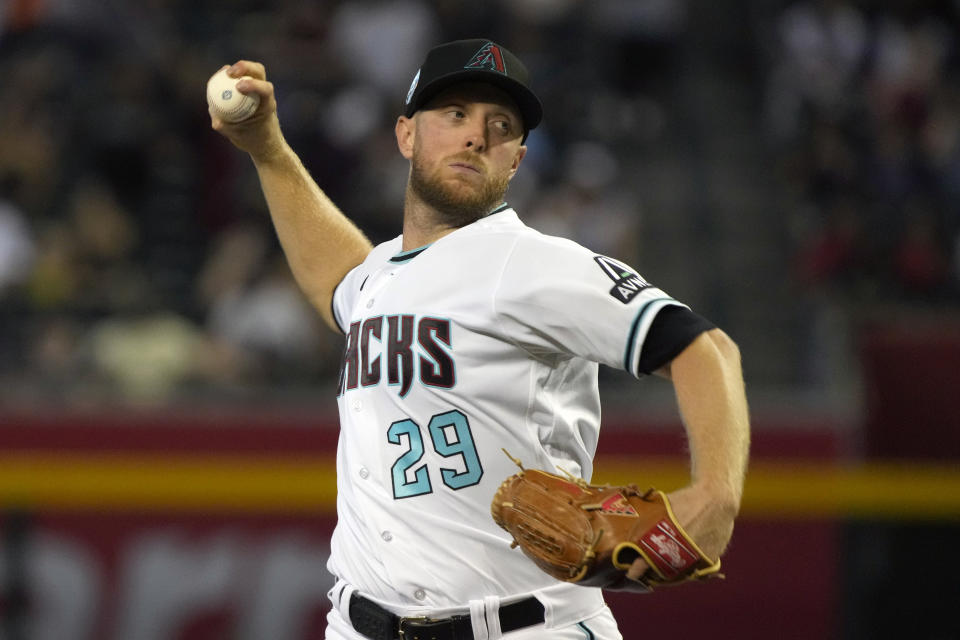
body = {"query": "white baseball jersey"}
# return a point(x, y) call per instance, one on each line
point(487, 339)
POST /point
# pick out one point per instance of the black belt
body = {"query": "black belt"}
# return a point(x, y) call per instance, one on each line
point(373, 621)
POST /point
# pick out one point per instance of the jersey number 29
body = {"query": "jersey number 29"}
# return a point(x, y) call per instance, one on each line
point(441, 427)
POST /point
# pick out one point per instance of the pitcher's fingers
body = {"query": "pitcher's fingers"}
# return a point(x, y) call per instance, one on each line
point(247, 68)
point(637, 569)
point(261, 87)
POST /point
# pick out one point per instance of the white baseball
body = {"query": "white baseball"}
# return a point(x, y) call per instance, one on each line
point(227, 103)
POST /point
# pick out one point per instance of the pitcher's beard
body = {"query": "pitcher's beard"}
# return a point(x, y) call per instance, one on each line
point(458, 205)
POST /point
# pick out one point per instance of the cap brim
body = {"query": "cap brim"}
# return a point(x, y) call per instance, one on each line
point(529, 105)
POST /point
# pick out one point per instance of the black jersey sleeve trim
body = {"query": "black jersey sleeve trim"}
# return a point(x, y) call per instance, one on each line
point(671, 331)
point(641, 325)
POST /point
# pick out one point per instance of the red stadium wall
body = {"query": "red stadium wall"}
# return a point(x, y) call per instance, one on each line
point(200, 527)
point(912, 378)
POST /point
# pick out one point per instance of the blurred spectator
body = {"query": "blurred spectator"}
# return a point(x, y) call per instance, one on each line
point(955, 268)
point(271, 319)
point(150, 358)
point(834, 251)
point(920, 259)
point(588, 206)
point(256, 308)
point(822, 46)
point(940, 140)
point(381, 41)
point(17, 249)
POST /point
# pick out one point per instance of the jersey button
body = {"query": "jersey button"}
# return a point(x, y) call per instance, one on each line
point(357, 405)
point(369, 303)
point(364, 473)
point(387, 536)
point(419, 594)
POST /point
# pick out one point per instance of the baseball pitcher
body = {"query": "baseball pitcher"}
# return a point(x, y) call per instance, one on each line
point(468, 396)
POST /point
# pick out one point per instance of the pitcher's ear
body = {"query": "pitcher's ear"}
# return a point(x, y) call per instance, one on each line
point(405, 130)
point(521, 152)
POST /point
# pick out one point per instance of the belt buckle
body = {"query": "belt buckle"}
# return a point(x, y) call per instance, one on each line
point(413, 620)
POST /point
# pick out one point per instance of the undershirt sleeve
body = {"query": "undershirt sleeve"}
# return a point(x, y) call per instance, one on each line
point(672, 330)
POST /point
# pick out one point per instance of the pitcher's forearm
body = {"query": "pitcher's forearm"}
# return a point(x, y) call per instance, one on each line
point(712, 400)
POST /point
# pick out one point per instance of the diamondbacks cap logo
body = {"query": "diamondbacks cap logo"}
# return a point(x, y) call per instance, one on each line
point(618, 505)
point(627, 283)
point(488, 57)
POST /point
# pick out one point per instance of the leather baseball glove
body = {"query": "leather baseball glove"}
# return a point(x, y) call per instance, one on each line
point(590, 535)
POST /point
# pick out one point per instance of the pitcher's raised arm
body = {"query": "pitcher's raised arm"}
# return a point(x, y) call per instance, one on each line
point(320, 242)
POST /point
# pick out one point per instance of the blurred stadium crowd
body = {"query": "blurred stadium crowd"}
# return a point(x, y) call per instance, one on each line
point(136, 257)
point(863, 114)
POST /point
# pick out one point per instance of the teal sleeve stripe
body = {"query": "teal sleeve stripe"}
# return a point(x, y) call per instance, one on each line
point(644, 317)
point(404, 256)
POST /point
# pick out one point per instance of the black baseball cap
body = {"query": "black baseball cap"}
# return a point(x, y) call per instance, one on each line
point(475, 60)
